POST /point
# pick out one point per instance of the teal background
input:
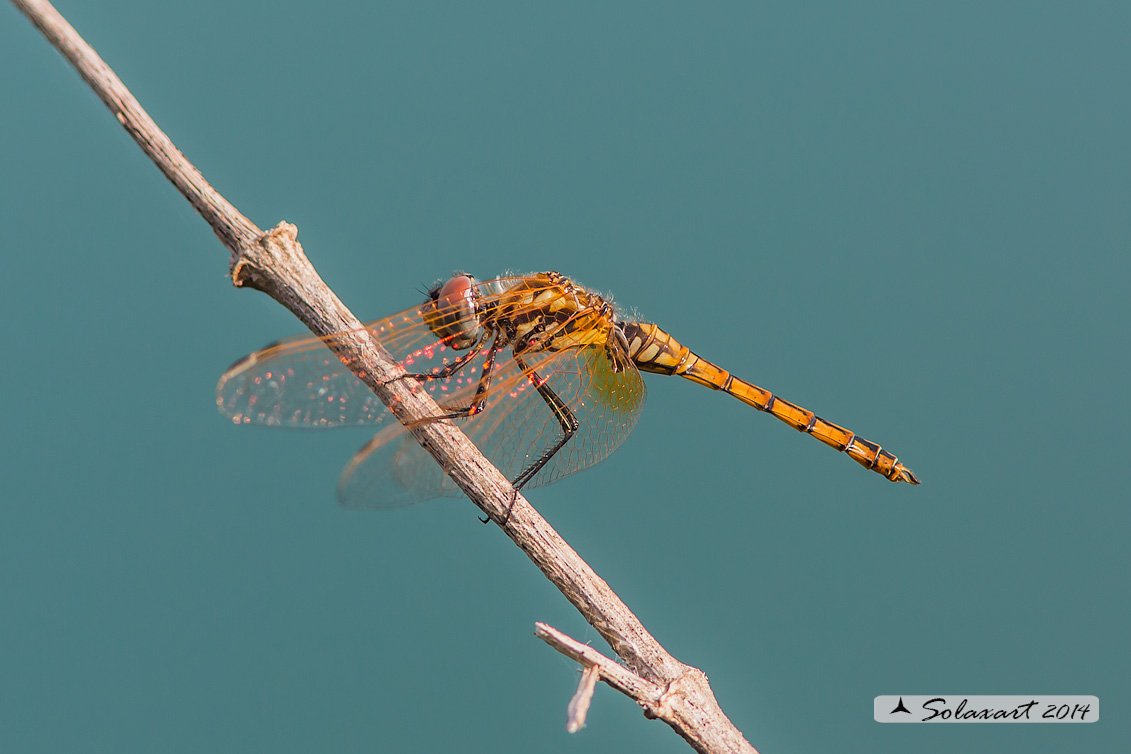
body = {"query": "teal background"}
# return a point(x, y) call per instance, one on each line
point(910, 218)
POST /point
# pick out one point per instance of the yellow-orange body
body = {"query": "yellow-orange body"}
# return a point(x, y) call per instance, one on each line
point(541, 374)
point(654, 350)
point(547, 311)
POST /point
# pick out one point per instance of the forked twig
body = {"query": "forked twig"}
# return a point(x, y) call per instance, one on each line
point(647, 694)
point(274, 262)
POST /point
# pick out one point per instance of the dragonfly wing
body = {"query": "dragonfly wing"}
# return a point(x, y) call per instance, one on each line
point(513, 430)
point(393, 471)
point(514, 433)
point(300, 382)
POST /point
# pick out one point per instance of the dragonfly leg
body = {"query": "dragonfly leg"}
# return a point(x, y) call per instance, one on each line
point(510, 506)
point(480, 397)
point(560, 411)
point(514, 499)
point(445, 372)
point(506, 518)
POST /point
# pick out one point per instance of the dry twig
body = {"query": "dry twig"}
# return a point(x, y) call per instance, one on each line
point(579, 705)
point(274, 262)
point(647, 694)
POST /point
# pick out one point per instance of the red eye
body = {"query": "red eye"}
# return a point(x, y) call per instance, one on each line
point(456, 292)
point(452, 312)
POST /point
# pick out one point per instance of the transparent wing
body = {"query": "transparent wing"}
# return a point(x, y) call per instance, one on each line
point(514, 429)
point(298, 382)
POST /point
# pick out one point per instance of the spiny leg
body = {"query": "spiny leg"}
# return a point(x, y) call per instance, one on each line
point(476, 405)
point(561, 412)
point(566, 419)
point(481, 389)
point(445, 372)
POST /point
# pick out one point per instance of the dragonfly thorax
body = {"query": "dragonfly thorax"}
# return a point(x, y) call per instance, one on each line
point(452, 311)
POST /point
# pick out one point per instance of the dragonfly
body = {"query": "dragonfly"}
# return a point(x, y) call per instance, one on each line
point(543, 375)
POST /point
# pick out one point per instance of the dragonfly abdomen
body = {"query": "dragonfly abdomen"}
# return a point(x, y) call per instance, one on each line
point(654, 350)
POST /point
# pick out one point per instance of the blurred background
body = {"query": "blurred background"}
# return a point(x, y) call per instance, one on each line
point(910, 219)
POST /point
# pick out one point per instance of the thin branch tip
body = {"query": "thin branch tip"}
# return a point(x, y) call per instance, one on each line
point(578, 707)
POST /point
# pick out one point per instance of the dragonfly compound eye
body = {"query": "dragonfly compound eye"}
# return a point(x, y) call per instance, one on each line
point(452, 311)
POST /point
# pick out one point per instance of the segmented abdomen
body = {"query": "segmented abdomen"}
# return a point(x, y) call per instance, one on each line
point(654, 350)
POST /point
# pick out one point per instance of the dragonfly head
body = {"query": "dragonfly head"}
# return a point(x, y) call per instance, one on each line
point(452, 311)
